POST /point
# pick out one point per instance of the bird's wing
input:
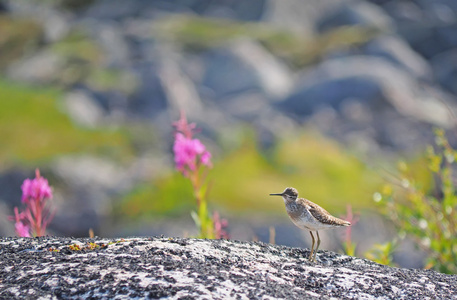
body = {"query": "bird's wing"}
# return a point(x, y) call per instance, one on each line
point(320, 214)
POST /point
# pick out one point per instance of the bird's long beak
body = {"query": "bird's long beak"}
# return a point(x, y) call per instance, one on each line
point(280, 194)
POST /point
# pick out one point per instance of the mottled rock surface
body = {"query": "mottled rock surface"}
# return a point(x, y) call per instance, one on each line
point(177, 268)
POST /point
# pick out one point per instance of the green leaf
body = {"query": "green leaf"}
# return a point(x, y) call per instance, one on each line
point(196, 219)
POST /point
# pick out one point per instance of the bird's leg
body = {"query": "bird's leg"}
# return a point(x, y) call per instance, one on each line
point(312, 246)
point(318, 243)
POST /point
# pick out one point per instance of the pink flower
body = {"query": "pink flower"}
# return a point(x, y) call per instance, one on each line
point(206, 158)
point(36, 215)
point(22, 230)
point(189, 153)
point(219, 226)
point(37, 189)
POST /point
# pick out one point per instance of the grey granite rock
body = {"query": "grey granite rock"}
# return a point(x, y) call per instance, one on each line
point(62, 268)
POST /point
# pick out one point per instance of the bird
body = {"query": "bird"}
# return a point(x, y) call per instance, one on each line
point(309, 216)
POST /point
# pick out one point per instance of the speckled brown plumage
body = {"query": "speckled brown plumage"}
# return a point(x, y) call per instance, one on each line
point(321, 214)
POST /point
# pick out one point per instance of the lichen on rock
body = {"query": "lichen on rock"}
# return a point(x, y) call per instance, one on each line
point(159, 267)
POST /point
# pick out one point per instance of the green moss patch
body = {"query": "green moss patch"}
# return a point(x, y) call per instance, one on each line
point(33, 129)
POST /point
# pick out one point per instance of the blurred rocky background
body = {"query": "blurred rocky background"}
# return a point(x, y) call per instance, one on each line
point(322, 95)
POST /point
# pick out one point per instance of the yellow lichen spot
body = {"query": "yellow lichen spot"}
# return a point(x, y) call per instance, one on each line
point(387, 190)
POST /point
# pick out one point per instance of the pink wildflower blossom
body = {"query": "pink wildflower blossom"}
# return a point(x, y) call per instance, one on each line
point(22, 230)
point(206, 158)
point(189, 153)
point(36, 215)
point(36, 189)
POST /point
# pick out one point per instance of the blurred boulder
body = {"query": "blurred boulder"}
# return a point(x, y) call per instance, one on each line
point(85, 172)
point(115, 9)
point(165, 86)
point(56, 23)
point(376, 82)
point(445, 69)
point(248, 11)
point(370, 104)
point(11, 181)
point(150, 98)
point(113, 104)
point(245, 66)
point(111, 37)
point(297, 15)
point(83, 109)
point(19, 36)
point(245, 106)
point(74, 5)
point(432, 40)
point(180, 90)
point(118, 9)
point(403, 12)
point(41, 67)
point(428, 26)
point(123, 81)
point(6, 226)
point(87, 186)
point(356, 13)
point(399, 53)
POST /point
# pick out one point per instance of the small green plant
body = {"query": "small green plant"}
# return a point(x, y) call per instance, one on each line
point(348, 245)
point(89, 246)
point(74, 247)
point(92, 246)
point(382, 253)
point(427, 214)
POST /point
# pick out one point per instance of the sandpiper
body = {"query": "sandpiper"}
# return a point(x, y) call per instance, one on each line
point(308, 215)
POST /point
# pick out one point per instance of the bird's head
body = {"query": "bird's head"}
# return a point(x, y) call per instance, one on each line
point(289, 194)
